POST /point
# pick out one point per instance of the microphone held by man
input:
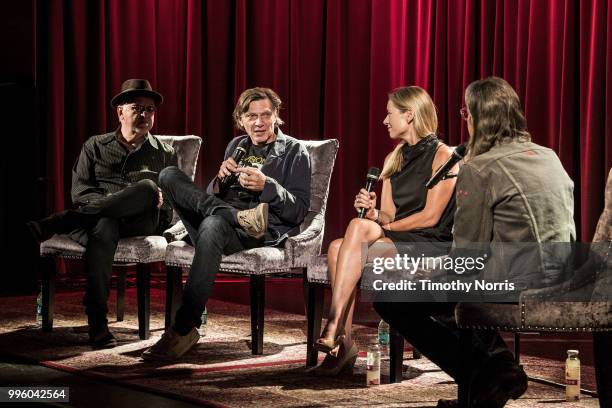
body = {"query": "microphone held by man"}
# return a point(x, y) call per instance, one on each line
point(230, 176)
point(443, 172)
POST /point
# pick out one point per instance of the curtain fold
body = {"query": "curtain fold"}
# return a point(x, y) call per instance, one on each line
point(333, 63)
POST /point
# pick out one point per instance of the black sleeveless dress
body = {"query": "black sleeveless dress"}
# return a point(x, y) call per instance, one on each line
point(410, 194)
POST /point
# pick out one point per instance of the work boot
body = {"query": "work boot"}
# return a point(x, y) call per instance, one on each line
point(255, 220)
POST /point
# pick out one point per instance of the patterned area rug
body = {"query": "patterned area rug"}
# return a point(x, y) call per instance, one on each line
point(221, 371)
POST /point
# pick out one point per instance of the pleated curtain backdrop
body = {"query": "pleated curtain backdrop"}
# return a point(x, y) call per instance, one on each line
point(333, 63)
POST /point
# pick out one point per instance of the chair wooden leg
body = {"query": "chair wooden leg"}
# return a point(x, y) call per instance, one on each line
point(174, 293)
point(396, 355)
point(314, 315)
point(258, 296)
point(465, 367)
point(121, 281)
point(48, 273)
point(143, 289)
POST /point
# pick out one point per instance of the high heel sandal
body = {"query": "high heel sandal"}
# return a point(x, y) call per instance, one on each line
point(327, 346)
point(346, 363)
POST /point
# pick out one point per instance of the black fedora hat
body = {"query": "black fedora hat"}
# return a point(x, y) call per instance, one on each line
point(136, 87)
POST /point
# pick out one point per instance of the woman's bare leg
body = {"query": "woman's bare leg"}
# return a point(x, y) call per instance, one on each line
point(346, 273)
point(332, 260)
point(332, 361)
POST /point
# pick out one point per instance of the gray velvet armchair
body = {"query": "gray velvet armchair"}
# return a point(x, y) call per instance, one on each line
point(142, 251)
point(257, 263)
point(545, 310)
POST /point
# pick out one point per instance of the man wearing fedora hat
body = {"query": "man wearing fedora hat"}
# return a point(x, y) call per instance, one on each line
point(115, 192)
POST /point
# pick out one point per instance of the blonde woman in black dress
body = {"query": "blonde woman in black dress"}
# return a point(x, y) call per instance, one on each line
point(408, 212)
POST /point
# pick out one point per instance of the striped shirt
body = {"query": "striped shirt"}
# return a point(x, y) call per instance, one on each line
point(105, 166)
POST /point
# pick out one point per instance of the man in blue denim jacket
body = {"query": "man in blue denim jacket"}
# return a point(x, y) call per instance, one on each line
point(259, 198)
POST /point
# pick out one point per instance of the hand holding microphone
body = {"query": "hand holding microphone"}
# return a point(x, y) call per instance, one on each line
point(227, 172)
point(227, 168)
point(365, 201)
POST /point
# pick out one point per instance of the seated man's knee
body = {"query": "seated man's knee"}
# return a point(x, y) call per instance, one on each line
point(148, 188)
point(106, 230)
point(167, 176)
point(213, 225)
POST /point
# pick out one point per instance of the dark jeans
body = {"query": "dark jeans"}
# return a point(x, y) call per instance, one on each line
point(430, 328)
point(99, 226)
point(602, 355)
point(212, 236)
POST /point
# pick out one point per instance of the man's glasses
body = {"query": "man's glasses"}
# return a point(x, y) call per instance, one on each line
point(139, 109)
point(252, 117)
point(464, 113)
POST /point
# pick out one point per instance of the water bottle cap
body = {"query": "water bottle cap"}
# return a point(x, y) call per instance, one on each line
point(572, 352)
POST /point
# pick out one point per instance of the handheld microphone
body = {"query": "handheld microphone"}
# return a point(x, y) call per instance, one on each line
point(442, 172)
point(371, 179)
point(238, 155)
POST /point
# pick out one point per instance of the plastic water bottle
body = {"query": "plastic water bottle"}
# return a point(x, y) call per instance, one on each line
point(572, 376)
point(383, 343)
point(373, 365)
point(204, 318)
point(39, 318)
point(383, 334)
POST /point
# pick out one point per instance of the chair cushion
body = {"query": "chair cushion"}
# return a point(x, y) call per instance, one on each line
point(256, 261)
point(133, 249)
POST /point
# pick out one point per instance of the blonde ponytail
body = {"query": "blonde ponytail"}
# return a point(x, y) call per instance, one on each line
point(417, 100)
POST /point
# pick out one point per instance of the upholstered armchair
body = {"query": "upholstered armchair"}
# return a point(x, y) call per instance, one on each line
point(258, 263)
point(142, 251)
point(544, 310)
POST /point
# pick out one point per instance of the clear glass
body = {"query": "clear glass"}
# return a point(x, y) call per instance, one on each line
point(572, 376)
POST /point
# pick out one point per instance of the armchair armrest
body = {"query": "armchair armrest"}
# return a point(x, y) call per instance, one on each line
point(302, 248)
point(176, 232)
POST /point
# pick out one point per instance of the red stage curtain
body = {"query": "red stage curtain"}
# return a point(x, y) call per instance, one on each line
point(333, 62)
